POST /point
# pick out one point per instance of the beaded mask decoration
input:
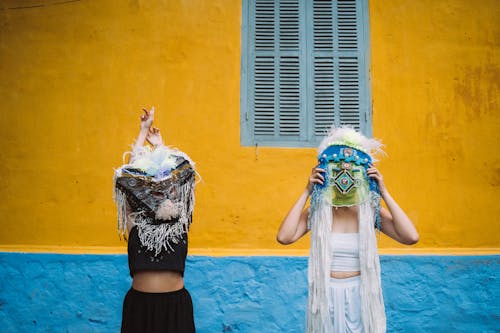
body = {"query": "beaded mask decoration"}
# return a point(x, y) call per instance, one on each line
point(346, 181)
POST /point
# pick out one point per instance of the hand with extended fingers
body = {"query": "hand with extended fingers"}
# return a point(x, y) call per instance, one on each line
point(373, 172)
point(316, 177)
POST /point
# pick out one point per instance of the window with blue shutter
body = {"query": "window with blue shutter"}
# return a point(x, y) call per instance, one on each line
point(304, 68)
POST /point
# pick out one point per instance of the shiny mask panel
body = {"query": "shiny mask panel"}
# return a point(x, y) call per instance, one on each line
point(146, 194)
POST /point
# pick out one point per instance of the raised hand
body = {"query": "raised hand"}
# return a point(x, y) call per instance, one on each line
point(154, 137)
point(146, 122)
point(316, 177)
point(373, 172)
point(147, 118)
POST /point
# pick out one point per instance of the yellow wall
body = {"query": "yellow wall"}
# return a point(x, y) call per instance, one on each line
point(75, 75)
point(435, 79)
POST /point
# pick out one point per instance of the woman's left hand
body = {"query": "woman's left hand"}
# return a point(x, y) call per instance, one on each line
point(374, 173)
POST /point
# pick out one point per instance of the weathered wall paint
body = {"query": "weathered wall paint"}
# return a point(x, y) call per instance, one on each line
point(84, 293)
point(75, 75)
point(435, 81)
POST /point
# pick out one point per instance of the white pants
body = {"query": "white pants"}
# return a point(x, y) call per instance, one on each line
point(345, 305)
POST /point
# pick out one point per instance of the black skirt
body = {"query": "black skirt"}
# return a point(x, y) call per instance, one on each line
point(169, 312)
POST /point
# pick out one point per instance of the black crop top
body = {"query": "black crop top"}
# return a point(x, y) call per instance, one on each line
point(140, 258)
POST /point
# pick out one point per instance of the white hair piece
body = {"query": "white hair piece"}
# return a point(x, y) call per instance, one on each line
point(349, 136)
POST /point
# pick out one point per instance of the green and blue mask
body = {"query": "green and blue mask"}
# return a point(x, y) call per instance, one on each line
point(346, 179)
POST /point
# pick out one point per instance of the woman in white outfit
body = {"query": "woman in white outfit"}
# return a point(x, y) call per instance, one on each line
point(344, 270)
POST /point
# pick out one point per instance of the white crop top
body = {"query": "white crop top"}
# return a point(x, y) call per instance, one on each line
point(344, 251)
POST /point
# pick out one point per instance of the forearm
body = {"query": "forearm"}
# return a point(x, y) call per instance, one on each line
point(139, 142)
point(403, 226)
point(289, 230)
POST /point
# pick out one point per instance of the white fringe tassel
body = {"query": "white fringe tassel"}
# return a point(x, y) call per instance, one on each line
point(318, 314)
point(121, 208)
point(157, 236)
point(161, 236)
point(372, 302)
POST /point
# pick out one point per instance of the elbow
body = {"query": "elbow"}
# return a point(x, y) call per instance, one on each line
point(413, 239)
point(283, 240)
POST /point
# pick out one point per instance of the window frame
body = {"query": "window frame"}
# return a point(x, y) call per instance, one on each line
point(247, 137)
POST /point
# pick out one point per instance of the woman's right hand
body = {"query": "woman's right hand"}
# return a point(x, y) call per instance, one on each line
point(147, 118)
point(316, 177)
point(154, 137)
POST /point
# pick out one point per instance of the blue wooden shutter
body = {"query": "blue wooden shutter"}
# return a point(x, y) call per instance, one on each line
point(303, 68)
point(290, 112)
point(349, 62)
point(275, 109)
point(338, 51)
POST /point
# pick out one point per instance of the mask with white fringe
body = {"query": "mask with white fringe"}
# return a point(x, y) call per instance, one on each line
point(158, 188)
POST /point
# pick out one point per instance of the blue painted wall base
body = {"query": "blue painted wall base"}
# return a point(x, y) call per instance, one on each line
point(84, 293)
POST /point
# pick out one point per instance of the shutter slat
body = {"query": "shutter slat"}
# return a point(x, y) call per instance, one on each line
point(289, 25)
point(323, 94)
point(289, 100)
point(264, 96)
point(323, 25)
point(323, 66)
point(347, 25)
point(349, 94)
point(264, 25)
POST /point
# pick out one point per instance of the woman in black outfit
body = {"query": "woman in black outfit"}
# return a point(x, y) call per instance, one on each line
point(154, 193)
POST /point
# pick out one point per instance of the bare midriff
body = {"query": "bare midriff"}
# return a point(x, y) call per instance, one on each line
point(344, 275)
point(157, 281)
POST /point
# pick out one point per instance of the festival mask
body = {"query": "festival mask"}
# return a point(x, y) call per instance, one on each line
point(346, 179)
point(160, 199)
